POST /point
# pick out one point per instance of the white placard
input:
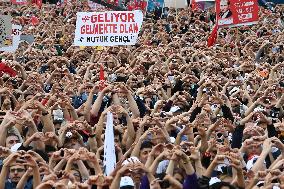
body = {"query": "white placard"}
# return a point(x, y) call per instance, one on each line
point(16, 34)
point(5, 30)
point(109, 28)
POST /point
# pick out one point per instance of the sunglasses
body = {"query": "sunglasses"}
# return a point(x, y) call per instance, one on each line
point(19, 170)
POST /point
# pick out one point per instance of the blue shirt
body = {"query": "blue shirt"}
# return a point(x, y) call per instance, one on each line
point(11, 185)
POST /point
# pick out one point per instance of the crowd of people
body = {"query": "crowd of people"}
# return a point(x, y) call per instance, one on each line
point(186, 115)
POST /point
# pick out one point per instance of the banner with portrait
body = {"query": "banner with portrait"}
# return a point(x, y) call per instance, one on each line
point(236, 13)
point(155, 5)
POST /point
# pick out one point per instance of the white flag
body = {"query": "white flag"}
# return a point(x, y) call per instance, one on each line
point(109, 148)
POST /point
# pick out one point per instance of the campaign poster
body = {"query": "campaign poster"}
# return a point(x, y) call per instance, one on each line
point(137, 5)
point(176, 4)
point(109, 28)
point(155, 4)
point(5, 30)
point(13, 45)
point(19, 2)
point(236, 13)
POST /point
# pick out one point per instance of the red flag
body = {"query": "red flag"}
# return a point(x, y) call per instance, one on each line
point(6, 69)
point(102, 77)
point(34, 20)
point(193, 5)
point(213, 36)
point(39, 3)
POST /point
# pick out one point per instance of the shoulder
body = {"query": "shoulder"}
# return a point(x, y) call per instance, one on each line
point(229, 13)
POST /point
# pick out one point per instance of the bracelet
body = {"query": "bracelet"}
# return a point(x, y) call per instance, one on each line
point(92, 136)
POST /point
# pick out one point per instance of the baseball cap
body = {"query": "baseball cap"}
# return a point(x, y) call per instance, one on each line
point(131, 159)
point(126, 181)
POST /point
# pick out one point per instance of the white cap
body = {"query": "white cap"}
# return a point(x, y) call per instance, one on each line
point(174, 109)
point(131, 159)
point(214, 180)
point(172, 140)
point(15, 147)
point(126, 181)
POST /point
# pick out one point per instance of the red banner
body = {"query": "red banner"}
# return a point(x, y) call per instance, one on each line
point(236, 13)
point(137, 5)
point(19, 2)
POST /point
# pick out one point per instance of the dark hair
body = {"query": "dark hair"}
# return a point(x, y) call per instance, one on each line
point(146, 144)
point(117, 133)
point(219, 185)
point(12, 134)
point(180, 171)
point(127, 187)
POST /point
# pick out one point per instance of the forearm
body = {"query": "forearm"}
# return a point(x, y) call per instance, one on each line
point(73, 113)
point(204, 144)
point(150, 160)
point(259, 164)
point(99, 130)
point(97, 105)
point(92, 144)
point(21, 184)
point(23, 73)
point(47, 123)
point(240, 179)
point(87, 74)
point(66, 114)
point(83, 170)
point(136, 149)
point(209, 170)
point(199, 169)
point(164, 95)
point(3, 133)
point(36, 177)
point(69, 165)
point(250, 109)
point(188, 166)
point(62, 138)
point(88, 106)
point(133, 105)
point(154, 165)
point(116, 182)
point(130, 129)
point(178, 139)
point(60, 165)
point(175, 183)
point(170, 168)
point(3, 176)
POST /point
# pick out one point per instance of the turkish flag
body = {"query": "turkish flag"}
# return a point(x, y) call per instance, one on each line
point(6, 69)
point(213, 36)
point(194, 5)
point(34, 20)
point(38, 3)
point(102, 77)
